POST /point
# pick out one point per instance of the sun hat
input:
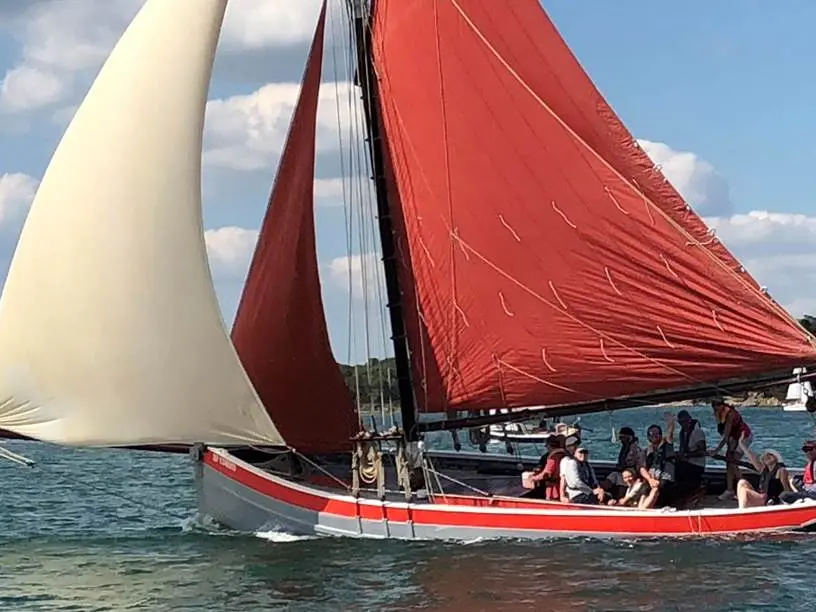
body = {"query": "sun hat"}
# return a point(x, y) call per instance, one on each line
point(775, 454)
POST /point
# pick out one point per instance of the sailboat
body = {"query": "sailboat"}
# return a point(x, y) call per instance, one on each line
point(533, 256)
point(798, 394)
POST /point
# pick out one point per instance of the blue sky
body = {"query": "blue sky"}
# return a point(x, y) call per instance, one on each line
point(720, 90)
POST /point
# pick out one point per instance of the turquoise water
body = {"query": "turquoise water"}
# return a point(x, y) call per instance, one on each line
point(67, 542)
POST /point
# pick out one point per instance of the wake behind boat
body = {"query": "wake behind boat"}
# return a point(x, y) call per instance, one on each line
point(533, 255)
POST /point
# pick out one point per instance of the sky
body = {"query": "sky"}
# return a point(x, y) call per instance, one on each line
point(718, 93)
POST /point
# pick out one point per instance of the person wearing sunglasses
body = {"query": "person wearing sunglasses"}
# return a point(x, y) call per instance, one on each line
point(658, 472)
point(807, 488)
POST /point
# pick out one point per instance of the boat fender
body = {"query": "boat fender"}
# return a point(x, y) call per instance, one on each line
point(810, 404)
point(197, 451)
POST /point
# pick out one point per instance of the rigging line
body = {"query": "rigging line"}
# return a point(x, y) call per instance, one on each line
point(16, 458)
point(347, 213)
point(362, 237)
point(459, 482)
point(382, 312)
point(344, 195)
point(348, 174)
point(378, 281)
point(779, 311)
point(90, 485)
point(315, 465)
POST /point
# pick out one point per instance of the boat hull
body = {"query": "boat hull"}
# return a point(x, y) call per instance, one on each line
point(244, 497)
point(797, 407)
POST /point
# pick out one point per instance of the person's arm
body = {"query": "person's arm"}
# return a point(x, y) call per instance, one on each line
point(648, 477)
point(698, 447)
point(670, 423)
point(634, 492)
point(785, 478)
point(549, 473)
point(596, 486)
point(729, 420)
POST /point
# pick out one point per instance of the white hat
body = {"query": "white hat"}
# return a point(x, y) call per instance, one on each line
point(776, 454)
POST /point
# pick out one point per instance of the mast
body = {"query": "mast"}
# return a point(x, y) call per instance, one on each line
point(366, 76)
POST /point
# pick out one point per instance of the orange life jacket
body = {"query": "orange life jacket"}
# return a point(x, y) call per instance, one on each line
point(808, 476)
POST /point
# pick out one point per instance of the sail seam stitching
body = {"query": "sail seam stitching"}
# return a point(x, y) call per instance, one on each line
point(778, 310)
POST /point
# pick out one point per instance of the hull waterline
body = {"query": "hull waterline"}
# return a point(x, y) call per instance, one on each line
point(245, 498)
point(797, 407)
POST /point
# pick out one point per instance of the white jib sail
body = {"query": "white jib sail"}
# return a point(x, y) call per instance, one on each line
point(110, 331)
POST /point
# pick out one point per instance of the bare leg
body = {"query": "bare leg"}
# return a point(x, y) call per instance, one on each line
point(649, 500)
point(730, 478)
point(747, 497)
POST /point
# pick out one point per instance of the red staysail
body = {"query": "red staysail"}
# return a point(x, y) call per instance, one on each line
point(551, 262)
point(280, 329)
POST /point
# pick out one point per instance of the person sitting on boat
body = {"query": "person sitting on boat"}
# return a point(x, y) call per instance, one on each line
point(636, 489)
point(548, 474)
point(659, 469)
point(806, 489)
point(733, 428)
point(579, 485)
point(690, 459)
point(774, 479)
point(630, 456)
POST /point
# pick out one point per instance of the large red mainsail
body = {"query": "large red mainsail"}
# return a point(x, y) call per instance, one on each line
point(280, 330)
point(551, 261)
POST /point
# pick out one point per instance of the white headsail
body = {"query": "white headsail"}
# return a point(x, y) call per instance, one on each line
point(110, 331)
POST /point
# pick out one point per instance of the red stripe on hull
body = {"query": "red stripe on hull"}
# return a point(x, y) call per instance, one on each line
point(497, 513)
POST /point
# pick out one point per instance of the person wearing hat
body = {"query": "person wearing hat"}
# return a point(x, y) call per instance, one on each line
point(690, 459)
point(578, 482)
point(547, 477)
point(630, 456)
point(807, 488)
point(774, 479)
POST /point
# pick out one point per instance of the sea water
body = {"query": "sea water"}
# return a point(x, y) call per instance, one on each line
point(117, 530)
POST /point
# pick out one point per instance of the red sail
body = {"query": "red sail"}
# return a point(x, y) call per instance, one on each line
point(551, 262)
point(280, 330)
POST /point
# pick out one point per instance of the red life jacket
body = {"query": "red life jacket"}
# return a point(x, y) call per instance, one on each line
point(808, 476)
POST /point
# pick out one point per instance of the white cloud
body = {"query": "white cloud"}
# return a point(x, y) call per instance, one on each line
point(779, 250)
point(359, 273)
point(62, 40)
point(26, 87)
point(697, 181)
point(230, 251)
point(336, 191)
point(59, 40)
point(247, 132)
point(251, 24)
point(16, 193)
point(330, 190)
